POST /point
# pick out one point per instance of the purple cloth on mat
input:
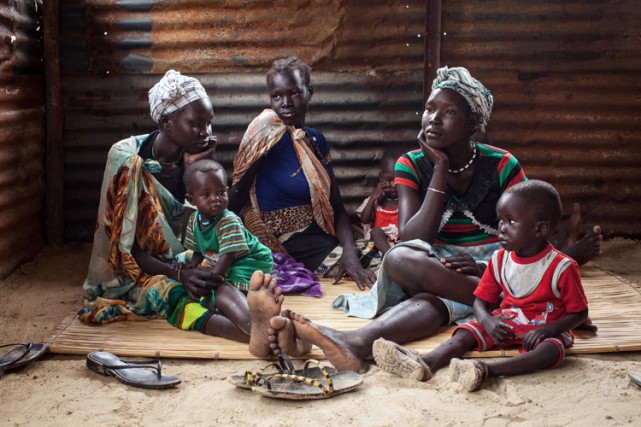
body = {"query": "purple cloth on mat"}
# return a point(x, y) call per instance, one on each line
point(293, 278)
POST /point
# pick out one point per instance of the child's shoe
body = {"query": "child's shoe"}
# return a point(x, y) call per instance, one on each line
point(470, 374)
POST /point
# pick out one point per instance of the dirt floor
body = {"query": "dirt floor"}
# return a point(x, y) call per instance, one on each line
point(58, 390)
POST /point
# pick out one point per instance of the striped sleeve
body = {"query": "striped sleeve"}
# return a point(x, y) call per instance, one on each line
point(509, 171)
point(405, 171)
point(231, 236)
point(190, 238)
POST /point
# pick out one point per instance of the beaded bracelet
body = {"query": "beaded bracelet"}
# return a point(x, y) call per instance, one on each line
point(436, 191)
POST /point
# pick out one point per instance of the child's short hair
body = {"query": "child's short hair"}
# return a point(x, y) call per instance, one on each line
point(542, 198)
point(289, 64)
point(203, 166)
point(387, 159)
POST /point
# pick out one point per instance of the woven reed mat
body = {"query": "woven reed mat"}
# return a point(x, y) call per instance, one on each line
point(615, 307)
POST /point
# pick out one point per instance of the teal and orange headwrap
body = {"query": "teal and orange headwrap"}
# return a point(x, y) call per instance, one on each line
point(477, 96)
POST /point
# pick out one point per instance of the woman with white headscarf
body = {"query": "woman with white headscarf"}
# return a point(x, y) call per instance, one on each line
point(135, 267)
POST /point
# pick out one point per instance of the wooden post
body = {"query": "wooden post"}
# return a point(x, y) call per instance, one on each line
point(432, 45)
point(55, 149)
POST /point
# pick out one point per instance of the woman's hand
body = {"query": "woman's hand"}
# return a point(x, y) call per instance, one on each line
point(207, 153)
point(351, 265)
point(463, 263)
point(438, 157)
point(199, 282)
point(497, 329)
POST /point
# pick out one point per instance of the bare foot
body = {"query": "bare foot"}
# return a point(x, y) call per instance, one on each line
point(588, 247)
point(282, 336)
point(329, 341)
point(264, 300)
point(569, 231)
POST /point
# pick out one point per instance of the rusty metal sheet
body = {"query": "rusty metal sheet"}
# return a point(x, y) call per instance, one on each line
point(564, 75)
point(361, 115)
point(21, 134)
point(545, 36)
point(566, 78)
point(104, 37)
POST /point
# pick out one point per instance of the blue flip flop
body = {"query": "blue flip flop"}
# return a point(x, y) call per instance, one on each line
point(136, 373)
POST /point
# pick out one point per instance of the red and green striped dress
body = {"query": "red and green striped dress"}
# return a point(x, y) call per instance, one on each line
point(468, 219)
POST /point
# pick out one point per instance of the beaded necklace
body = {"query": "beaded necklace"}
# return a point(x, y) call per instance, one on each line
point(153, 155)
point(202, 221)
point(457, 171)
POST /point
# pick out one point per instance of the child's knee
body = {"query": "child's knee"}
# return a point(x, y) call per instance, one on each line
point(464, 338)
point(556, 350)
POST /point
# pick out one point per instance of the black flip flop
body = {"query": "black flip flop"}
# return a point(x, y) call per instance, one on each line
point(136, 373)
point(20, 356)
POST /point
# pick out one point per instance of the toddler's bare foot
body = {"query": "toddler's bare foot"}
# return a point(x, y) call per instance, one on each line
point(264, 300)
point(569, 230)
point(329, 341)
point(282, 336)
point(588, 247)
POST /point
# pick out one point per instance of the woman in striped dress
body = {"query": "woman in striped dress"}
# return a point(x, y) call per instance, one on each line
point(448, 190)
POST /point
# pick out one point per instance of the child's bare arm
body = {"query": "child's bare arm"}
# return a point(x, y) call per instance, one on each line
point(223, 264)
point(196, 259)
point(569, 321)
point(493, 325)
point(367, 215)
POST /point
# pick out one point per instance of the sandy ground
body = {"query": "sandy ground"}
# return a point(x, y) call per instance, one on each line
point(58, 390)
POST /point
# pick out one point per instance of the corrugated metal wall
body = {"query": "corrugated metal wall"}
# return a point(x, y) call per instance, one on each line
point(367, 58)
point(565, 75)
point(566, 80)
point(22, 140)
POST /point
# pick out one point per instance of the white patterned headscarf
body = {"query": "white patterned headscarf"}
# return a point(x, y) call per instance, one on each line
point(173, 92)
point(477, 96)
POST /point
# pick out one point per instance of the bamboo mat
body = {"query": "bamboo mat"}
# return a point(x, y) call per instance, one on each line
point(615, 307)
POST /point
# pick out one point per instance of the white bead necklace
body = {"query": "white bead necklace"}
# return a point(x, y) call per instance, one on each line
point(457, 171)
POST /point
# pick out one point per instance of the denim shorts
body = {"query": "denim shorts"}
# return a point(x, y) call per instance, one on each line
point(457, 310)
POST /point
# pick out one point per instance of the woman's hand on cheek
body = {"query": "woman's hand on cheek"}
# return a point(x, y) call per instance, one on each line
point(207, 153)
point(351, 266)
point(433, 154)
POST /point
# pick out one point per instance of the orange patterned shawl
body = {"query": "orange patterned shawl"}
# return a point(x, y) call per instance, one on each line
point(262, 134)
point(133, 207)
